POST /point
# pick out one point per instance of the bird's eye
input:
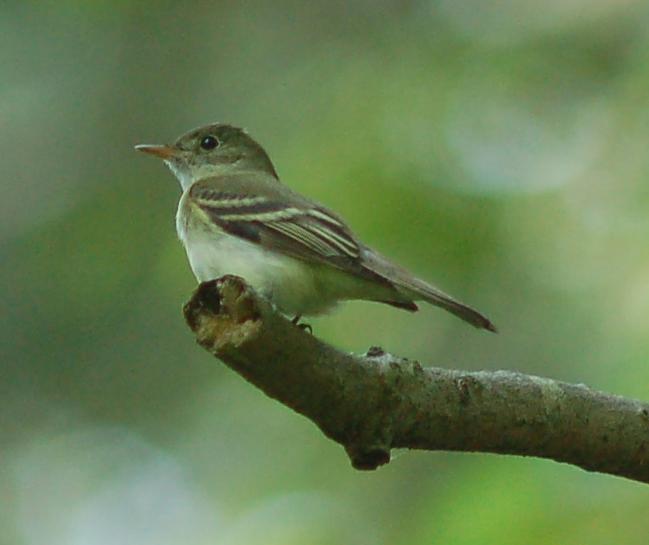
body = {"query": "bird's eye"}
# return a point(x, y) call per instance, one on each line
point(209, 142)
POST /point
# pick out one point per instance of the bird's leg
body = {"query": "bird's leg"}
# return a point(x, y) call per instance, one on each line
point(296, 321)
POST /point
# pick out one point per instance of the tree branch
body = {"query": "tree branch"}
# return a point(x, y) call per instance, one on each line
point(375, 402)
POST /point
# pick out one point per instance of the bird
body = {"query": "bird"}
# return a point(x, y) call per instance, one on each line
point(236, 217)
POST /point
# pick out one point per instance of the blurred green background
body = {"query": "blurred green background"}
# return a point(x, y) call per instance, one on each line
point(497, 148)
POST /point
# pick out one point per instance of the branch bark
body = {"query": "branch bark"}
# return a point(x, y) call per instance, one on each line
point(375, 402)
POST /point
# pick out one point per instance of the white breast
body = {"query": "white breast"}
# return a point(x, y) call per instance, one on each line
point(213, 254)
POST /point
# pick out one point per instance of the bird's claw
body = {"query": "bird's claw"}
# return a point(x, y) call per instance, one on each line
point(303, 327)
point(306, 327)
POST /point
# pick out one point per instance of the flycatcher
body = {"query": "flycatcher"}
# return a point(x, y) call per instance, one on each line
point(236, 217)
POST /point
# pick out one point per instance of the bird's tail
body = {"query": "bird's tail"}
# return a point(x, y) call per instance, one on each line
point(415, 288)
point(436, 297)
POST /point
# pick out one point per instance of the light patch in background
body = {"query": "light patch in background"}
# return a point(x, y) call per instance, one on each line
point(96, 486)
point(300, 518)
point(49, 111)
point(506, 142)
point(507, 22)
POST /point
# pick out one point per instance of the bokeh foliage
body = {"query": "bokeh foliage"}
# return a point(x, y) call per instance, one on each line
point(496, 148)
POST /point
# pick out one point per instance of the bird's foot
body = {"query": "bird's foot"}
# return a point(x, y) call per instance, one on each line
point(303, 327)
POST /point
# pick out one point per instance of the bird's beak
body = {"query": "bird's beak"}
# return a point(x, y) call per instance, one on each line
point(165, 152)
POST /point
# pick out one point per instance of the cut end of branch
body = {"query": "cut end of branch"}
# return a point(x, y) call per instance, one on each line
point(223, 313)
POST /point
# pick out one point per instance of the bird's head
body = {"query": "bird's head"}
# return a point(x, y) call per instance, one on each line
point(213, 150)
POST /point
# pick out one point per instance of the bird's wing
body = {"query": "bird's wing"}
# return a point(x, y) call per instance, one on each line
point(297, 228)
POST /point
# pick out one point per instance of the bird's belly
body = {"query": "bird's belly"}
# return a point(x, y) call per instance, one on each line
point(289, 283)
